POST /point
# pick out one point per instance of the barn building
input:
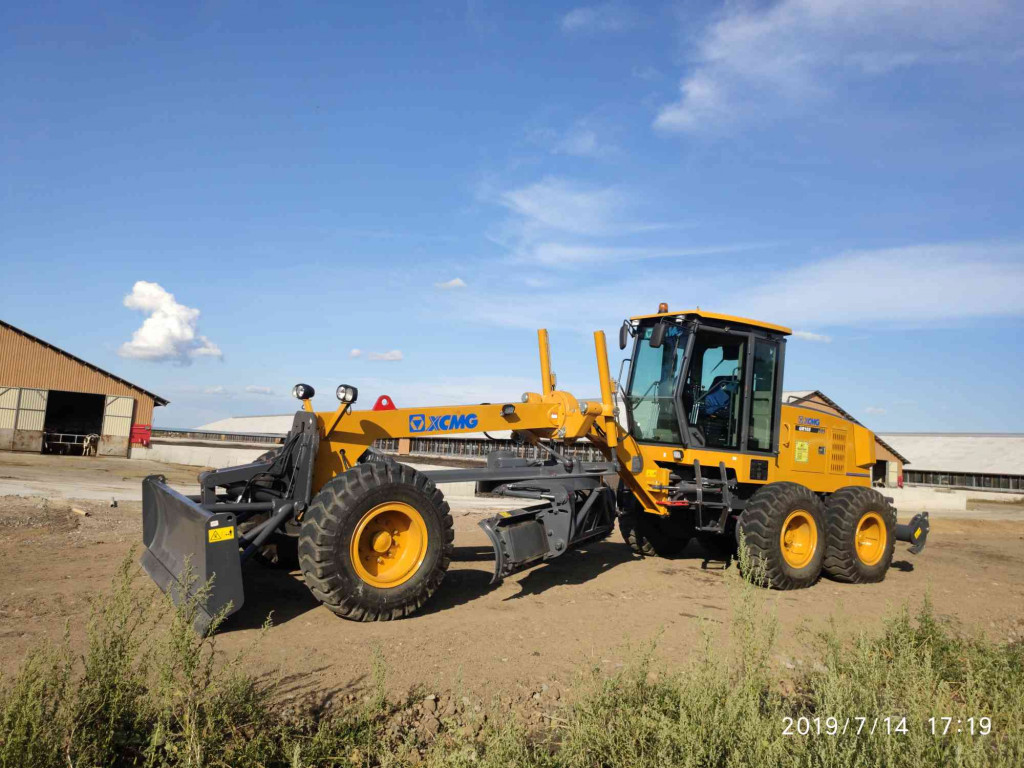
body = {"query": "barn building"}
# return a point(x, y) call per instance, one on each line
point(54, 402)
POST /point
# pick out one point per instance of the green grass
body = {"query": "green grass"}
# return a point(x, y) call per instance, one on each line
point(144, 690)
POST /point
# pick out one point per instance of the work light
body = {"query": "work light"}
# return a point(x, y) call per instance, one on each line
point(347, 393)
point(303, 391)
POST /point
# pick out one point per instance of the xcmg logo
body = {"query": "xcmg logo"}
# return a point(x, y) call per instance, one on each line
point(420, 422)
point(812, 422)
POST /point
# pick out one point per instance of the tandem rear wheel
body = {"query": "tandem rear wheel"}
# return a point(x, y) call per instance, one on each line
point(861, 535)
point(376, 542)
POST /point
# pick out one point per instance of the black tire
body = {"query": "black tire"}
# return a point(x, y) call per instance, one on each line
point(649, 536)
point(373, 456)
point(761, 525)
point(331, 521)
point(844, 511)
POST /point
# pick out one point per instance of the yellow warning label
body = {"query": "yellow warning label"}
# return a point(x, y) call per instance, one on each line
point(917, 533)
point(221, 534)
point(651, 473)
point(803, 451)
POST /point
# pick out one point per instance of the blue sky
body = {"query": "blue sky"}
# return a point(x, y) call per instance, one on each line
point(292, 182)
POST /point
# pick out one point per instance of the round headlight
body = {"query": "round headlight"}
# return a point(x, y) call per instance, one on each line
point(347, 393)
point(303, 391)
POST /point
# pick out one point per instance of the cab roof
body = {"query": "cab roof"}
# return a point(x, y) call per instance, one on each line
point(718, 318)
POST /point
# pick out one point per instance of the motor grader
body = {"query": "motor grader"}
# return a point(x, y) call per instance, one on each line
point(707, 450)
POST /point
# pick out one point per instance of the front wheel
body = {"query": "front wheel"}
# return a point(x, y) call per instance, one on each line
point(376, 542)
point(783, 529)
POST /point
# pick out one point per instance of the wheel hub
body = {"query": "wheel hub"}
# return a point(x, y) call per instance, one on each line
point(388, 544)
point(798, 538)
point(870, 538)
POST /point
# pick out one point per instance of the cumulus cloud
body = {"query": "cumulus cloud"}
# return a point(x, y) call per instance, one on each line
point(392, 355)
point(253, 389)
point(170, 330)
point(808, 336)
point(454, 283)
point(606, 17)
point(760, 60)
point(355, 353)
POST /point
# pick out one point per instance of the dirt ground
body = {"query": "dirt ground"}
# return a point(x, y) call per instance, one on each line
point(537, 628)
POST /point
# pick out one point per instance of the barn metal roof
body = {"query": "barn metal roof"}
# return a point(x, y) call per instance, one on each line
point(980, 453)
point(157, 400)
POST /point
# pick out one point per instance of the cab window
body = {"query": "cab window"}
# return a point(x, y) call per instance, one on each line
point(652, 384)
point(713, 392)
point(762, 396)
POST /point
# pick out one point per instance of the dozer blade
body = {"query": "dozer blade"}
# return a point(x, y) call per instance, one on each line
point(186, 543)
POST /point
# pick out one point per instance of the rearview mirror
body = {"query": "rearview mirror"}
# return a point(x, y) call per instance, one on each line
point(624, 334)
point(658, 335)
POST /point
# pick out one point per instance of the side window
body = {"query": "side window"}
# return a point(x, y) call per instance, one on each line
point(713, 393)
point(762, 404)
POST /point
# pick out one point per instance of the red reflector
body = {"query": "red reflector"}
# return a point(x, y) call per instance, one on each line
point(384, 403)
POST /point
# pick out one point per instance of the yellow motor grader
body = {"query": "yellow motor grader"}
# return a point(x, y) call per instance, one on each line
point(708, 450)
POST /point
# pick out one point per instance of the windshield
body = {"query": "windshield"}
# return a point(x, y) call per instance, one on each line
point(652, 384)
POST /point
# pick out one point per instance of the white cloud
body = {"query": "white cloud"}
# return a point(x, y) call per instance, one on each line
point(559, 223)
point(874, 410)
point(454, 283)
point(581, 142)
point(606, 17)
point(922, 286)
point(808, 336)
point(392, 355)
point(253, 389)
point(908, 286)
point(566, 206)
point(355, 353)
point(217, 390)
point(170, 330)
point(760, 60)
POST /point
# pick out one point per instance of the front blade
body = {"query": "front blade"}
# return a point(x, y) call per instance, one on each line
point(187, 548)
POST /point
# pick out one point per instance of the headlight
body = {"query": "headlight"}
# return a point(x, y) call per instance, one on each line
point(347, 393)
point(303, 391)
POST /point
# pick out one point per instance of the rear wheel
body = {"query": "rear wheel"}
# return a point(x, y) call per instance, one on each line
point(376, 542)
point(784, 532)
point(861, 535)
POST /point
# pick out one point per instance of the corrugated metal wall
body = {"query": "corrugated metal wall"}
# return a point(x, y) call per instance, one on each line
point(26, 363)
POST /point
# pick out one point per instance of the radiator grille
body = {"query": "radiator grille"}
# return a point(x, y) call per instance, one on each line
point(838, 457)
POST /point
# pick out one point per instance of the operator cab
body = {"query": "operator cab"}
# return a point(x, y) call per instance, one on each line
point(704, 381)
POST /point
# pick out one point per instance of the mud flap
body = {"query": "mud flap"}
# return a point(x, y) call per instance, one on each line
point(184, 540)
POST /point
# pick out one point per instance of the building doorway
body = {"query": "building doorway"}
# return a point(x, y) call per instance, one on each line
point(73, 422)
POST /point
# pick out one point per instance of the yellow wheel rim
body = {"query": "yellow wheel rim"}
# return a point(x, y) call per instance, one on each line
point(798, 538)
point(870, 538)
point(389, 544)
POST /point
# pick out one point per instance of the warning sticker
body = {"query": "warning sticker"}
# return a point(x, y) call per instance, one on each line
point(221, 534)
point(802, 451)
